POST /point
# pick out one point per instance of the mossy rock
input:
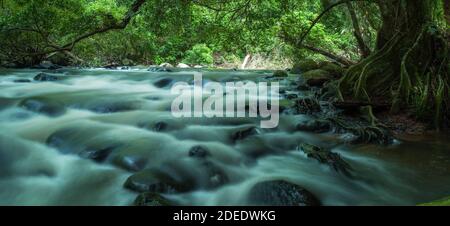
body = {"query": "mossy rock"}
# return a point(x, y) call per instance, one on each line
point(280, 74)
point(327, 157)
point(318, 73)
point(304, 66)
point(152, 199)
point(441, 202)
point(335, 70)
point(281, 193)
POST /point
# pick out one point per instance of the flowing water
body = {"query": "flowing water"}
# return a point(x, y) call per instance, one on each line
point(98, 109)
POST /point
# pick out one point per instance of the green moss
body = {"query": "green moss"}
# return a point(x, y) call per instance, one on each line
point(334, 69)
point(441, 202)
point(304, 66)
point(280, 73)
point(319, 73)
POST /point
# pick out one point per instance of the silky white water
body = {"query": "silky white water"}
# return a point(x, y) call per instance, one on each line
point(101, 108)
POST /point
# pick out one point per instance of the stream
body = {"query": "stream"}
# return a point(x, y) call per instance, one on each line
point(76, 141)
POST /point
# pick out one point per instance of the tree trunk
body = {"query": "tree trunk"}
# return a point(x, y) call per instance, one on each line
point(409, 66)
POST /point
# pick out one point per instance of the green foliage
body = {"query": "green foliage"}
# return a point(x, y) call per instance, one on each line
point(199, 54)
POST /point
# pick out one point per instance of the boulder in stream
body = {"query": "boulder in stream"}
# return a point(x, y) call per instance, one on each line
point(147, 181)
point(327, 157)
point(182, 65)
point(44, 106)
point(44, 77)
point(152, 199)
point(199, 152)
point(162, 83)
point(281, 193)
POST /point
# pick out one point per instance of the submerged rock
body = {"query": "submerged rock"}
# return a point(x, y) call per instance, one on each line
point(244, 133)
point(98, 155)
point(316, 126)
point(147, 181)
point(198, 152)
point(152, 199)
point(163, 82)
point(281, 193)
point(130, 163)
point(44, 77)
point(22, 80)
point(43, 106)
point(113, 107)
point(327, 157)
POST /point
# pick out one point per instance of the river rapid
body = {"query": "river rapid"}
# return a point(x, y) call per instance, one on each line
point(51, 133)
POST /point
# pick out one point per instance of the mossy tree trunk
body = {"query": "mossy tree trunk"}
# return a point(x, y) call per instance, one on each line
point(409, 67)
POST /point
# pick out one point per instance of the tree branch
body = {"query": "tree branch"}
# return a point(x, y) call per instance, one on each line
point(332, 56)
point(302, 39)
point(365, 50)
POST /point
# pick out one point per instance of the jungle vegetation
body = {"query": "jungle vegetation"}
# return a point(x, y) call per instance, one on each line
point(395, 51)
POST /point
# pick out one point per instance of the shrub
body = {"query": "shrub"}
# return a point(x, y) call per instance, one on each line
point(199, 54)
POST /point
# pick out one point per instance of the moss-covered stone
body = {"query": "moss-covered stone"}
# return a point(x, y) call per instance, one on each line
point(318, 73)
point(327, 157)
point(304, 66)
point(335, 70)
point(280, 74)
point(281, 193)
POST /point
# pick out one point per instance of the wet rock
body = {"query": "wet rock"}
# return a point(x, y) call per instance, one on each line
point(217, 177)
point(163, 82)
point(160, 126)
point(152, 199)
point(181, 65)
point(44, 77)
point(307, 105)
point(43, 106)
point(371, 134)
point(160, 69)
point(304, 66)
point(98, 155)
point(243, 133)
point(327, 157)
point(147, 181)
point(46, 65)
point(191, 174)
point(198, 152)
point(113, 107)
point(281, 193)
point(61, 140)
point(130, 163)
point(280, 74)
point(316, 126)
point(22, 80)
